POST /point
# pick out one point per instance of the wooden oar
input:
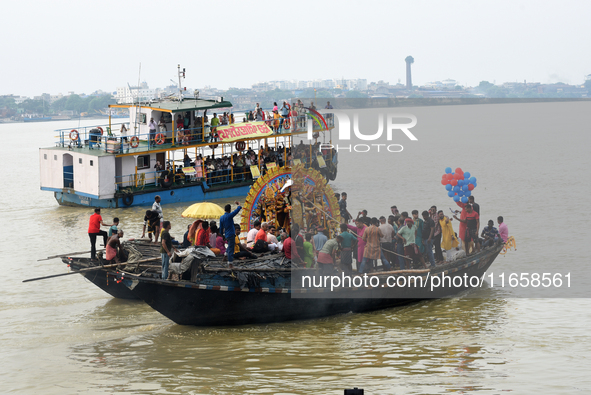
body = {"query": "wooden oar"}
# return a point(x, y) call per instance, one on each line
point(65, 255)
point(89, 269)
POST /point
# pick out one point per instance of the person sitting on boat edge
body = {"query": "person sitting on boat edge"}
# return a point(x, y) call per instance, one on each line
point(114, 247)
point(166, 249)
point(490, 234)
point(240, 250)
point(94, 230)
point(253, 233)
point(203, 240)
point(227, 228)
point(113, 228)
point(186, 243)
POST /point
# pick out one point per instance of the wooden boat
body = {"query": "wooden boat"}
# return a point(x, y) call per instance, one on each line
point(100, 277)
point(214, 295)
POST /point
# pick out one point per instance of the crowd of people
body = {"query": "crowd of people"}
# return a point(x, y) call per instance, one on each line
point(400, 241)
point(221, 237)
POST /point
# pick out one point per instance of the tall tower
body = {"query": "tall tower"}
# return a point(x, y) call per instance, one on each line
point(409, 60)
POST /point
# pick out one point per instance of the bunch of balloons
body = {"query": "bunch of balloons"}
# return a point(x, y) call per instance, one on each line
point(459, 185)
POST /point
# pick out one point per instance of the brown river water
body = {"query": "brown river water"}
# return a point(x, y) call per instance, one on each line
point(64, 335)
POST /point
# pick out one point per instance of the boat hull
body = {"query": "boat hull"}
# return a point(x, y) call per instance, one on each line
point(101, 279)
point(202, 304)
point(180, 194)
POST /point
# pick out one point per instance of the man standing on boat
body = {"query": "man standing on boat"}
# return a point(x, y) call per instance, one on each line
point(94, 230)
point(227, 228)
point(157, 207)
point(166, 249)
point(152, 125)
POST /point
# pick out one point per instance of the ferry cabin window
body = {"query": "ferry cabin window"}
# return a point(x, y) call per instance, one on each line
point(54, 157)
point(91, 163)
point(143, 118)
point(80, 160)
point(45, 156)
point(143, 162)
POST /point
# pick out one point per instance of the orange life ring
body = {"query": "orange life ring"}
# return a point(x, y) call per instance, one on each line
point(101, 129)
point(135, 142)
point(73, 133)
point(286, 124)
point(159, 138)
point(240, 145)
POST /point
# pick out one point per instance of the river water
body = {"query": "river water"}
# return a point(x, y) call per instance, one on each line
point(64, 335)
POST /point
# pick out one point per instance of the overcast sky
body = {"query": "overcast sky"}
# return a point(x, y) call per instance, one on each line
point(82, 46)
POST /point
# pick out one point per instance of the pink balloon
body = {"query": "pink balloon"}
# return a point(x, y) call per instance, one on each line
point(454, 182)
point(470, 187)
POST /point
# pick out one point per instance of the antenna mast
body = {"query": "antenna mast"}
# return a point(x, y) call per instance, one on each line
point(181, 89)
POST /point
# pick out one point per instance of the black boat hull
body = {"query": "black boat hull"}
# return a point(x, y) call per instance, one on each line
point(188, 303)
point(101, 278)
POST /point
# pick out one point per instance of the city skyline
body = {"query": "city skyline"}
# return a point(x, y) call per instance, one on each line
point(104, 45)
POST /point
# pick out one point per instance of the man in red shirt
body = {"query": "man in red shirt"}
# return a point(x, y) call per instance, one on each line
point(471, 221)
point(94, 230)
point(262, 233)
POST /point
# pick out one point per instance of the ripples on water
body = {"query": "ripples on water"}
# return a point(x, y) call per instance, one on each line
point(66, 336)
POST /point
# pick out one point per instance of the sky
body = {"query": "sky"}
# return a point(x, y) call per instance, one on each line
point(83, 46)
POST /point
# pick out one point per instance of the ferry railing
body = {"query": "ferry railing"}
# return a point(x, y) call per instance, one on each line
point(110, 139)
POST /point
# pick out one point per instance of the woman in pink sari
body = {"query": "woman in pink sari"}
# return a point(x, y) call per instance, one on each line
point(359, 229)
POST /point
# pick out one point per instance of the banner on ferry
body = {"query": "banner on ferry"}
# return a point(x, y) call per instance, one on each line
point(248, 130)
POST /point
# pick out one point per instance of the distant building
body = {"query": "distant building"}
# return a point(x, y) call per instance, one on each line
point(132, 94)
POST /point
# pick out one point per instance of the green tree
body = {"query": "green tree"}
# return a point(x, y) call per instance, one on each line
point(356, 94)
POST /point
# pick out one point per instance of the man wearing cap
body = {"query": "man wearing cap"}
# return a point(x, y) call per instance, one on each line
point(407, 235)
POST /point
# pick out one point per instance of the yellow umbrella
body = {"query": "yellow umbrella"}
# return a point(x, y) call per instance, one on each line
point(203, 210)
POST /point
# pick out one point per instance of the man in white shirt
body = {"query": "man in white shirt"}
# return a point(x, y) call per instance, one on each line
point(152, 125)
point(386, 241)
point(158, 208)
point(252, 234)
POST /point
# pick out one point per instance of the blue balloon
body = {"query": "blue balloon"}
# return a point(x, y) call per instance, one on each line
point(474, 183)
point(468, 193)
point(460, 193)
point(447, 170)
point(472, 180)
point(460, 182)
point(450, 194)
point(456, 198)
point(466, 175)
point(448, 187)
point(456, 189)
point(464, 199)
point(465, 188)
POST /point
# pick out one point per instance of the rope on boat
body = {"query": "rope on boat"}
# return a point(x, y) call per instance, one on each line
point(511, 243)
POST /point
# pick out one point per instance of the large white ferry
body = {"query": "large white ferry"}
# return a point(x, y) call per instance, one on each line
point(187, 157)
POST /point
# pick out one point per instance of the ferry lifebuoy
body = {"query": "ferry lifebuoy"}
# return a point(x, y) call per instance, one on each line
point(165, 179)
point(286, 124)
point(135, 142)
point(127, 199)
point(74, 135)
point(159, 138)
point(101, 130)
point(240, 145)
